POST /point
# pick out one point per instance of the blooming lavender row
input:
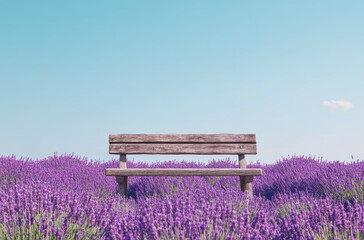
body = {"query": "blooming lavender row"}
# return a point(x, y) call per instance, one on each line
point(66, 197)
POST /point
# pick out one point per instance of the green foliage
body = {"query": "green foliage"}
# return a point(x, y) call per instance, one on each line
point(7, 178)
point(104, 195)
point(286, 209)
point(356, 192)
point(214, 180)
point(34, 230)
point(329, 234)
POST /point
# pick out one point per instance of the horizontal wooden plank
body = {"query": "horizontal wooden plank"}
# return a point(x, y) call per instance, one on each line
point(183, 172)
point(182, 138)
point(162, 148)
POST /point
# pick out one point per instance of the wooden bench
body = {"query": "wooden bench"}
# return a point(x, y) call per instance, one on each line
point(226, 144)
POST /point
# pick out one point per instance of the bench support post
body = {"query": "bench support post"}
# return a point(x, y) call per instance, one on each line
point(245, 181)
point(122, 181)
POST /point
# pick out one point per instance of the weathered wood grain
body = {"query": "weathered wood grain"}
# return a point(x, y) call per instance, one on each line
point(122, 185)
point(122, 160)
point(162, 148)
point(182, 138)
point(184, 172)
point(245, 181)
point(240, 144)
point(122, 180)
point(242, 161)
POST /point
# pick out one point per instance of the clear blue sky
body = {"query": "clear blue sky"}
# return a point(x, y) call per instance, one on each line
point(72, 72)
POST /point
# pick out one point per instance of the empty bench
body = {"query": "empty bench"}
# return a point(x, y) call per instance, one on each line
point(209, 144)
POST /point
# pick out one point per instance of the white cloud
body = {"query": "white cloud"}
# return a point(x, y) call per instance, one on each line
point(338, 104)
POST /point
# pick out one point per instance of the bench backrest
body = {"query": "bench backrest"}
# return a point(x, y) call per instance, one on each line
point(182, 144)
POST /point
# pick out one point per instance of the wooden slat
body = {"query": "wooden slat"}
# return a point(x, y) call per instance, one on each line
point(184, 172)
point(182, 138)
point(212, 149)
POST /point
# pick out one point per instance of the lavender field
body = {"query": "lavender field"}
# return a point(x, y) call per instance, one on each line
point(68, 197)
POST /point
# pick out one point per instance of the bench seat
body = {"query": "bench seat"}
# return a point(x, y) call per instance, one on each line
point(183, 172)
point(196, 144)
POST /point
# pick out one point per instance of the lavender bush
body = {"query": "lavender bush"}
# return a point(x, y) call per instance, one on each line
point(68, 197)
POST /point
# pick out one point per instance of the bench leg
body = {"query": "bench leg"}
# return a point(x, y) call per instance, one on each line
point(246, 184)
point(122, 185)
point(245, 181)
point(122, 180)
